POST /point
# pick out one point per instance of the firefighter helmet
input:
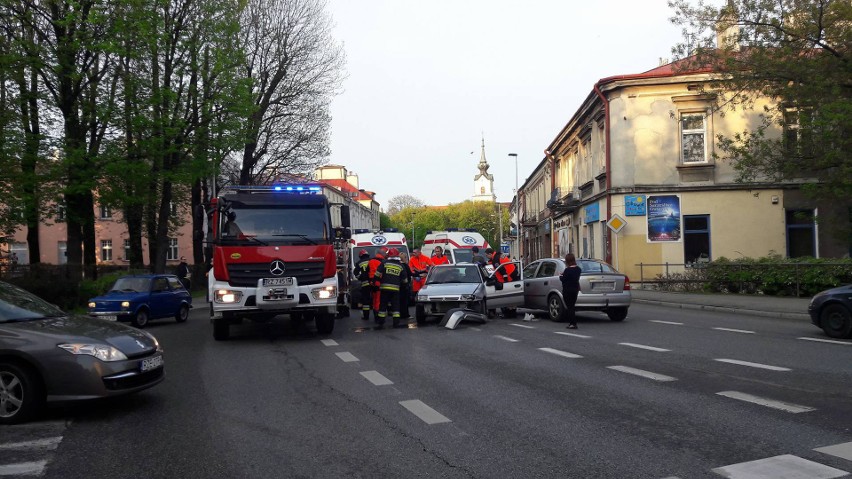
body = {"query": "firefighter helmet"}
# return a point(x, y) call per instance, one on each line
point(393, 252)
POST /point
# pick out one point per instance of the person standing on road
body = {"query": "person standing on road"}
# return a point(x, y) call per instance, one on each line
point(362, 272)
point(478, 258)
point(390, 277)
point(570, 289)
point(405, 297)
point(182, 271)
point(438, 256)
point(419, 264)
point(375, 263)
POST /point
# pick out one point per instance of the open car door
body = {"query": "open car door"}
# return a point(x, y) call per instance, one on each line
point(505, 295)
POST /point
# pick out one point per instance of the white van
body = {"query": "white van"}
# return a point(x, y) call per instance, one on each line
point(456, 242)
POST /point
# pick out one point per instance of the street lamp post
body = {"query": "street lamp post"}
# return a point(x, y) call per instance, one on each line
point(518, 212)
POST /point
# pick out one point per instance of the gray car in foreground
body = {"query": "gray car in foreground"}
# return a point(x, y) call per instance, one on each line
point(49, 356)
point(602, 288)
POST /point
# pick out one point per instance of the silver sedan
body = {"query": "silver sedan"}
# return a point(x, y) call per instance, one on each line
point(602, 288)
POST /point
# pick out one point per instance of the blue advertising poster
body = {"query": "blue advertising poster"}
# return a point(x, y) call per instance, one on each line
point(664, 218)
point(634, 205)
point(593, 213)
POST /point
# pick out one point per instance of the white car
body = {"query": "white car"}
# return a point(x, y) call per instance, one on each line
point(469, 286)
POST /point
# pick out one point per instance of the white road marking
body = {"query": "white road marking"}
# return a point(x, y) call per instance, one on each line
point(780, 405)
point(845, 343)
point(504, 338)
point(42, 444)
point(376, 378)
point(557, 352)
point(753, 365)
point(734, 330)
point(424, 412)
point(840, 450)
point(347, 357)
point(643, 373)
point(474, 329)
point(23, 469)
point(786, 466)
point(521, 326)
point(665, 322)
point(642, 346)
point(329, 342)
point(573, 334)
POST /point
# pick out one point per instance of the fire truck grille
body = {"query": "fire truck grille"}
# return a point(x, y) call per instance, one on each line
point(248, 274)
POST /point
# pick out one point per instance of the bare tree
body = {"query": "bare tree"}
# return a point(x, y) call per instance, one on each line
point(294, 67)
point(401, 202)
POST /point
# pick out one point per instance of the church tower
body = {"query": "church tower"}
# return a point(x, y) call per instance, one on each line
point(483, 183)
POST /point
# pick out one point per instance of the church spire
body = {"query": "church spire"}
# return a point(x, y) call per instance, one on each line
point(483, 182)
point(483, 164)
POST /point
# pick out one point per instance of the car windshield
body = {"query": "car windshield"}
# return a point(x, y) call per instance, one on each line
point(595, 267)
point(455, 274)
point(463, 255)
point(17, 304)
point(372, 250)
point(282, 225)
point(131, 285)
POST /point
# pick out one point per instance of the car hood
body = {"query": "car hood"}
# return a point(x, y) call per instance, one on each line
point(117, 297)
point(82, 329)
point(838, 290)
point(449, 289)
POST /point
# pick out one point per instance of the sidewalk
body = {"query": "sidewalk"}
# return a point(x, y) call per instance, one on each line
point(755, 305)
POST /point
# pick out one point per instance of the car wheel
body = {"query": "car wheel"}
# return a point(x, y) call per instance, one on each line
point(836, 321)
point(555, 308)
point(420, 314)
point(617, 314)
point(182, 314)
point(21, 394)
point(324, 322)
point(221, 328)
point(140, 319)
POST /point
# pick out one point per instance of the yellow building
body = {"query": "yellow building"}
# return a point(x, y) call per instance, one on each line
point(639, 154)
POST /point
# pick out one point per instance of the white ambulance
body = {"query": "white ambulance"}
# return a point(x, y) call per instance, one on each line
point(371, 241)
point(456, 242)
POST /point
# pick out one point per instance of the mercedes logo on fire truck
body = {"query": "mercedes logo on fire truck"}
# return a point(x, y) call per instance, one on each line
point(276, 267)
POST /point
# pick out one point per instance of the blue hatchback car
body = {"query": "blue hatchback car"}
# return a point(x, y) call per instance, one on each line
point(140, 298)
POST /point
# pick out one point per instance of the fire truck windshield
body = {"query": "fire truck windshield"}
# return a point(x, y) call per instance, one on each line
point(283, 225)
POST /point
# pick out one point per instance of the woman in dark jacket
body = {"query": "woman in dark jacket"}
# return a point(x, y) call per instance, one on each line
point(570, 289)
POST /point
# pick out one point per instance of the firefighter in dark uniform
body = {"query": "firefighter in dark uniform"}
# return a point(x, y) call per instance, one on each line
point(362, 272)
point(378, 260)
point(391, 276)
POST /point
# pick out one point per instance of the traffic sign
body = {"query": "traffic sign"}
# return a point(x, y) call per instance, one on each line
point(616, 223)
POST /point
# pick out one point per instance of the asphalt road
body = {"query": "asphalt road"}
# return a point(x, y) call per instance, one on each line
point(667, 393)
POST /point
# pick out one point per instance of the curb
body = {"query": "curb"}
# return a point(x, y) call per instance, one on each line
point(727, 309)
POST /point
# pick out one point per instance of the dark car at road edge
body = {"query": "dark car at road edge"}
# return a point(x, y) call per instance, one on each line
point(831, 310)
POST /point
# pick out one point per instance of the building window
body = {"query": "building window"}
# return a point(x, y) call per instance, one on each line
point(801, 233)
point(62, 252)
point(106, 212)
point(696, 238)
point(127, 250)
point(173, 249)
point(60, 213)
point(106, 250)
point(798, 139)
point(692, 137)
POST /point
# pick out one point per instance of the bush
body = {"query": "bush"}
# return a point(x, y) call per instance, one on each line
point(777, 276)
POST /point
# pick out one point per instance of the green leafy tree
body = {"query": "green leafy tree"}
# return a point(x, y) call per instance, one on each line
point(797, 54)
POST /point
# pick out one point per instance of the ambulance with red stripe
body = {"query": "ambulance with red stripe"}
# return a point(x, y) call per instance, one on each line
point(371, 241)
point(456, 243)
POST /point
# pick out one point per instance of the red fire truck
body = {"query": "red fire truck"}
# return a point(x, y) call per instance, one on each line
point(274, 251)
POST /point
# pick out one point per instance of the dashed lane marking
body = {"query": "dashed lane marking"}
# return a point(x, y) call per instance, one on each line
point(642, 373)
point(329, 342)
point(642, 346)
point(839, 450)
point(557, 352)
point(505, 338)
point(46, 444)
point(521, 326)
point(787, 466)
point(23, 469)
point(665, 322)
point(780, 405)
point(475, 329)
point(753, 365)
point(845, 343)
point(424, 412)
point(573, 334)
point(347, 357)
point(731, 330)
point(376, 378)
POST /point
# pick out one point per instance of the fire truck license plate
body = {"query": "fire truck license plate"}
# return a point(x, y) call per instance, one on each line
point(277, 281)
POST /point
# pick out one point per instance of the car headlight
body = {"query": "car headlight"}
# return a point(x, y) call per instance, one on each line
point(100, 351)
point(125, 304)
point(92, 304)
point(468, 297)
point(227, 296)
point(326, 292)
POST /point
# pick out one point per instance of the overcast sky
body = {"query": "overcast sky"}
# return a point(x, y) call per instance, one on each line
point(427, 79)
